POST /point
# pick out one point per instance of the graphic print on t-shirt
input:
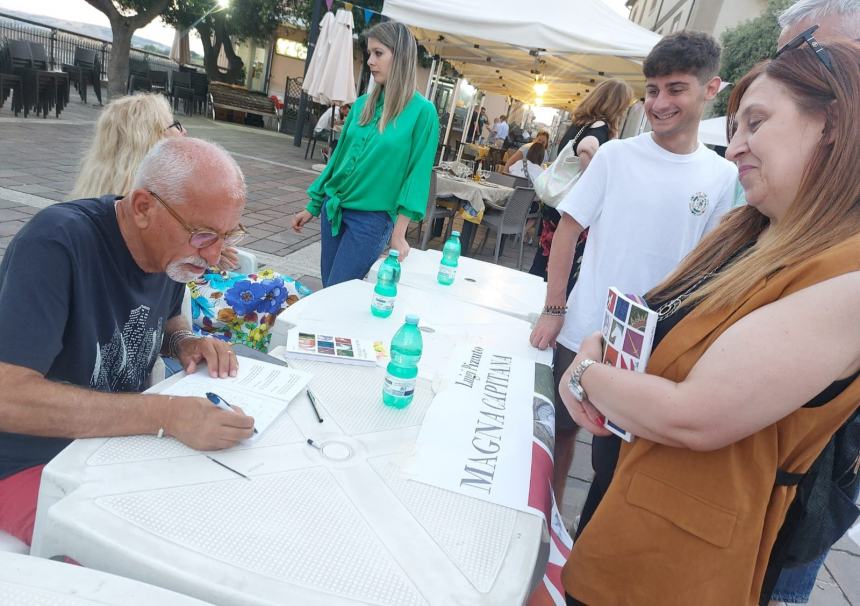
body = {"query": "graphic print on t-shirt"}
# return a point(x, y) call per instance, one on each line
point(123, 363)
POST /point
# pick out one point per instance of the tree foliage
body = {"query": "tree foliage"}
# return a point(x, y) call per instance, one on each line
point(220, 29)
point(747, 44)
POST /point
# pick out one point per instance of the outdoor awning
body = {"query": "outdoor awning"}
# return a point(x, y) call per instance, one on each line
point(570, 45)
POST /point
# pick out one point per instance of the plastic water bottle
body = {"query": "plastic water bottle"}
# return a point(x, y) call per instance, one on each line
point(393, 261)
point(384, 292)
point(450, 259)
point(399, 387)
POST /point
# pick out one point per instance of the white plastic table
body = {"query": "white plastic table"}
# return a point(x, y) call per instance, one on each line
point(496, 287)
point(29, 581)
point(341, 525)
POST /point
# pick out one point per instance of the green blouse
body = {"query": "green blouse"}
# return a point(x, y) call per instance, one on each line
point(387, 171)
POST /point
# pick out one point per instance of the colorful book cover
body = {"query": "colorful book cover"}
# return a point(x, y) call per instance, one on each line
point(628, 334)
point(328, 348)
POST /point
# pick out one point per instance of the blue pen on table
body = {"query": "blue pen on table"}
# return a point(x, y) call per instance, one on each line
point(221, 403)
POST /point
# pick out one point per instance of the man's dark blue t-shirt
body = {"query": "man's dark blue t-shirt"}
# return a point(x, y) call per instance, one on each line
point(76, 307)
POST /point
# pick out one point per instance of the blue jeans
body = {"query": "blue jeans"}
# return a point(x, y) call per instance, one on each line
point(350, 254)
point(795, 585)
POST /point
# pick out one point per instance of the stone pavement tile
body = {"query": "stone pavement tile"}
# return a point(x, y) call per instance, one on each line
point(9, 214)
point(581, 466)
point(267, 246)
point(288, 237)
point(10, 228)
point(575, 491)
point(827, 592)
point(844, 567)
point(31, 189)
point(847, 544)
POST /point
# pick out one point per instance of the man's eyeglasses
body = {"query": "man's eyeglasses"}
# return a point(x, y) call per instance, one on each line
point(807, 38)
point(201, 237)
point(177, 126)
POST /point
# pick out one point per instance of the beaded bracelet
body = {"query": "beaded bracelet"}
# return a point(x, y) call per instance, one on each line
point(554, 310)
point(176, 337)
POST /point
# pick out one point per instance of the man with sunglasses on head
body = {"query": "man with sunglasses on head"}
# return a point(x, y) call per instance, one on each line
point(812, 23)
point(91, 292)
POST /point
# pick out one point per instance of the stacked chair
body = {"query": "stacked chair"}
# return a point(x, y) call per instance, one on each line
point(10, 83)
point(85, 71)
point(42, 90)
point(138, 76)
point(200, 86)
point(182, 90)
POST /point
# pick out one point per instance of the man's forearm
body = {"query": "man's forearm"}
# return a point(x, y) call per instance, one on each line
point(561, 259)
point(33, 405)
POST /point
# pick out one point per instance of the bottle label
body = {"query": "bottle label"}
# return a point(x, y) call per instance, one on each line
point(447, 272)
point(398, 387)
point(382, 303)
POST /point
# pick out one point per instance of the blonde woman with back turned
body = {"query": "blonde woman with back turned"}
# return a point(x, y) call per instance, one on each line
point(378, 178)
point(125, 132)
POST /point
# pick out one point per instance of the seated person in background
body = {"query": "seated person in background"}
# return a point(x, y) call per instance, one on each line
point(529, 166)
point(103, 280)
point(543, 138)
point(325, 124)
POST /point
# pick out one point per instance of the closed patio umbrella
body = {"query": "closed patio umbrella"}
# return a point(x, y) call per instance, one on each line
point(315, 70)
point(180, 51)
point(337, 83)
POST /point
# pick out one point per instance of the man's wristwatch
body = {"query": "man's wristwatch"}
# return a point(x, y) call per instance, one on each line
point(575, 384)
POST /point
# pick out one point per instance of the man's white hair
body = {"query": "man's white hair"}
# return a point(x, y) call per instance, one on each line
point(175, 162)
point(816, 9)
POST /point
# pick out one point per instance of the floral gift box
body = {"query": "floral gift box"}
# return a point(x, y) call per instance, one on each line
point(241, 308)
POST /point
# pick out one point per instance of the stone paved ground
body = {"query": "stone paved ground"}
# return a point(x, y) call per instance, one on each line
point(38, 165)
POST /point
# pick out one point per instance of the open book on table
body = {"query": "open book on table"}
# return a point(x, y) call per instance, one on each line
point(262, 390)
point(628, 335)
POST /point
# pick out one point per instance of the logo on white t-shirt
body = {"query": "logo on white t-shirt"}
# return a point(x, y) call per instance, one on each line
point(698, 203)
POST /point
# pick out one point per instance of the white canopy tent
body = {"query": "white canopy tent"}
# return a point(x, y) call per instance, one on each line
point(504, 47)
point(713, 131)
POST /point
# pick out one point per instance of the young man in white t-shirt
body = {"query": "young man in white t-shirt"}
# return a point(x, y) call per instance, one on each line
point(648, 200)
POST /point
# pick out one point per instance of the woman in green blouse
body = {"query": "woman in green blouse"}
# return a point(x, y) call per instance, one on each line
point(378, 178)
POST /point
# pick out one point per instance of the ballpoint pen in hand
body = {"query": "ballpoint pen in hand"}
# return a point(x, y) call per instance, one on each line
point(221, 403)
point(314, 405)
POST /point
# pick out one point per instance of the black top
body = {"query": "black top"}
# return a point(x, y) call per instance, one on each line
point(78, 309)
point(601, 133)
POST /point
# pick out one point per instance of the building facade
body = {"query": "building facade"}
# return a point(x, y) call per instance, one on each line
point(711, 16)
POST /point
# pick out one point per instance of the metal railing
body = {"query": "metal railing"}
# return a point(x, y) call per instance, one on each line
point(60, 44)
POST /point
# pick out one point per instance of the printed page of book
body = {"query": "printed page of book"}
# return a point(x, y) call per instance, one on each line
point(327, 347)
point(260, 389)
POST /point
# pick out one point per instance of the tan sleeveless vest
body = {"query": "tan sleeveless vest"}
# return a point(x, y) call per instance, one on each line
point(679, 527)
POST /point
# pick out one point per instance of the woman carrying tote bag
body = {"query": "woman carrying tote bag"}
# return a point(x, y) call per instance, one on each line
point(595, 121)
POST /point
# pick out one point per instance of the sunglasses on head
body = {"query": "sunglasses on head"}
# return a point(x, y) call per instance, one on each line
point(806, 37)
point(202, 237)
